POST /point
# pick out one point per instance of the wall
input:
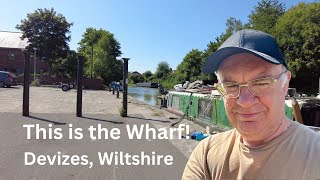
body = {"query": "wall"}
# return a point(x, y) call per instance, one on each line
point(95, 84)
point(12, 60)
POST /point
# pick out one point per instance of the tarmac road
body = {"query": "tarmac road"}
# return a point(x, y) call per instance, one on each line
point(53, 106)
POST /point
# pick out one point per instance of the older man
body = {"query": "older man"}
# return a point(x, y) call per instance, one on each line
point(264, 144)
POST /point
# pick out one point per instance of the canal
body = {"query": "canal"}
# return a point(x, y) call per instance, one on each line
point(146, 95)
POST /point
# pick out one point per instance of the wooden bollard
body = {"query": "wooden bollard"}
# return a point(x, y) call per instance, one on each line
point(296, 110)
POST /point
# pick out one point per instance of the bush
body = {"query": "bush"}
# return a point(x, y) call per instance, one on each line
point(122, 112)
point(35, 83)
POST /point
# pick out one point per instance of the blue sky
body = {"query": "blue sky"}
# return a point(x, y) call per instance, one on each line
point(149, 31)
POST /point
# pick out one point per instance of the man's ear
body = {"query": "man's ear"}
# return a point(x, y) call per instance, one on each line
point(286, 86)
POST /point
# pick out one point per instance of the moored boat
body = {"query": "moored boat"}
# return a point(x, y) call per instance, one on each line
point(208, 109)
point(150, 85)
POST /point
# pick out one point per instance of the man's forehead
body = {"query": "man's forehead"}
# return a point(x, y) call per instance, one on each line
point(245, 62)
point(244, 59)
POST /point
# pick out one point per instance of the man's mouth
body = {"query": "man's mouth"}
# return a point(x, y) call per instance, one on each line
point(247, 115)
point(250, 115)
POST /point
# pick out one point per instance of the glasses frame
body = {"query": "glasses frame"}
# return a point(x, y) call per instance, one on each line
point(222, 92)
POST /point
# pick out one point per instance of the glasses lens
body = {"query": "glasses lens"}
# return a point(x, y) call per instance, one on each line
point(230, 89)
point(262, 86)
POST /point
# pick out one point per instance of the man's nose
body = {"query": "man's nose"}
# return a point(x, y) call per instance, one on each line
point(246, 98)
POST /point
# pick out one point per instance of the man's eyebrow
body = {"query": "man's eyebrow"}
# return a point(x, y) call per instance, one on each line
point(226, 79)
point(263, 74)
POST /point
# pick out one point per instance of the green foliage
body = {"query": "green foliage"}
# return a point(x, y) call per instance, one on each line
point(265, 15)
point(122, 112)
point(147, 76)
point(163, 70)
point(135, 78)
point(67, 66)
point(100, 48)
point(47, 31)
point(233, 25)
point(298, 34)
point(190, 68)
point(35, 83)
point(170, 81)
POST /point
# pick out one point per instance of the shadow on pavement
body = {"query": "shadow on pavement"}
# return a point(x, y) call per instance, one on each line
point(13, 87)
point(46, 120)
point(146, 119)
point(103, 120)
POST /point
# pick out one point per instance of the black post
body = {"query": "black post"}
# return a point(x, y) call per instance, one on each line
point(125, 86)
point(117, 93)
point(91, 61)
point(26, 85)
point(79, 83)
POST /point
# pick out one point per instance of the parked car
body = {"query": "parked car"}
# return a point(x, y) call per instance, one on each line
point(7, 79)
point(117, 86)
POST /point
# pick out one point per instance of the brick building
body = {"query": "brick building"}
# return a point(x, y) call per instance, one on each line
point(11, 54)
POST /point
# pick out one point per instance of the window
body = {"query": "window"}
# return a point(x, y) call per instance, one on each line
point(175, 102)
point(205, 108)
point(11, 56)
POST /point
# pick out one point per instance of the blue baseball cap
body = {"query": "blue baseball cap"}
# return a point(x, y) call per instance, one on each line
point(257, 43)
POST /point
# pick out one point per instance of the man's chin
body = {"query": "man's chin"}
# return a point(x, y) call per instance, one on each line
point(249, 127)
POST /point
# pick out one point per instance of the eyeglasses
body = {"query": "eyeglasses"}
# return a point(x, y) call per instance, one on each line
point(257, 87)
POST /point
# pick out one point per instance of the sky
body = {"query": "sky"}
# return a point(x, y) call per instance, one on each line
point(149, 31)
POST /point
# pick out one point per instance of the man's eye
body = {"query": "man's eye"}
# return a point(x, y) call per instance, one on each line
point(230, 86)
point(262, 83)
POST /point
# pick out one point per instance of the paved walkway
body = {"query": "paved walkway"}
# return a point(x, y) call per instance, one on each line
point(53, 106)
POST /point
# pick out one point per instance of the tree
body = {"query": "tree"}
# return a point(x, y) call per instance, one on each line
point(233, 25)
point(106, 67)
point(67, 66)
point(135, 78)
point(147, 75)
point(265, 15)
point(190, 68)
point(49, 32)
point(163, 70)
point(298, 34)
point(100, 49)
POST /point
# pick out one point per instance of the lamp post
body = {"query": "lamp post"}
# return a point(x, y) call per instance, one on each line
point(34, 63)
point(125, 86)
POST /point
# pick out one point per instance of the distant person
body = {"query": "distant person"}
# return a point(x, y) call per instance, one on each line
point(253, 79)
point(161, 89)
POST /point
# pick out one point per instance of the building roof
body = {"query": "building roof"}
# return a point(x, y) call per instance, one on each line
point(12, 40)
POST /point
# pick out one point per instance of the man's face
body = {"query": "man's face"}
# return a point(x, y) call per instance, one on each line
point(255, 117)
